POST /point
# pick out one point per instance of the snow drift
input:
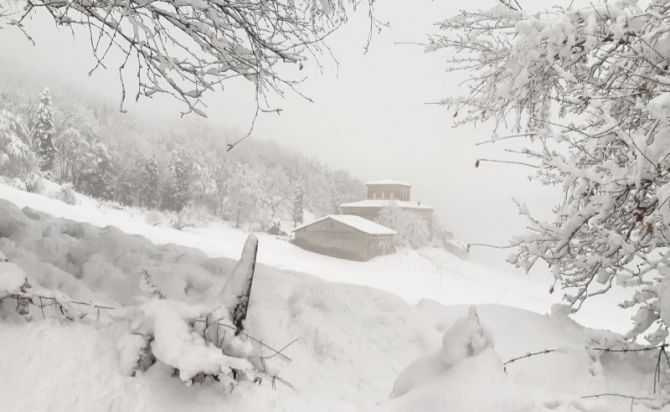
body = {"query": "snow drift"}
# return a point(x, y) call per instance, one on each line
point(353, 342)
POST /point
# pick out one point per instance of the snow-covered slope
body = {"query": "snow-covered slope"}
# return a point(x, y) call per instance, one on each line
point(409, 274)
point(353, 340)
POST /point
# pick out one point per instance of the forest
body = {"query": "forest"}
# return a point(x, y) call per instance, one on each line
point(182, 168)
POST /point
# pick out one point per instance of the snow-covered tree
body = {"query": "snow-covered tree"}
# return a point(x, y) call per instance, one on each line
point(298, 214)
point(43, 131)
point(412, 229)
point(276, 188)
point(127, 178)
point(149, 183)
point(71, 150)
point(16, 158)
point(221, 171)
point(177, 192)
point(243, 195)
point(589, 89)
point(97, 173)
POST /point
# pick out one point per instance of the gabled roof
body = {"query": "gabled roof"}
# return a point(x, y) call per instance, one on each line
point(381, 203)
point(387, 182)
point(356, 222)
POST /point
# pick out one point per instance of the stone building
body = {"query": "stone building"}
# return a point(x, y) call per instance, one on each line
point(346, 236)
point(388, 193)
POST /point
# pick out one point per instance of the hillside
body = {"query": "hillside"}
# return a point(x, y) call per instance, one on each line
point(410, 274)
point(353, 340)
point(184, 167)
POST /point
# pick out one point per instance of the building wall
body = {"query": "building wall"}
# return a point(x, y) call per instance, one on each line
point(335, 239)
point(370, 213)
point(397, 192)
point(381, 245)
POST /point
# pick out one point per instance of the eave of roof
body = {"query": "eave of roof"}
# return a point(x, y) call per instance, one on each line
point(356, 222)
point(389, 182)
point(381, 203)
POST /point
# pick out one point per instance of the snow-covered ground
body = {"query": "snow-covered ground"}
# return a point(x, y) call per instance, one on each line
point(358, 325)
point(409, 274)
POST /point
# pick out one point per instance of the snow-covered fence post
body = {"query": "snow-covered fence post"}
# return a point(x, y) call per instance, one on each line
point(241, 280)
point(235, 295)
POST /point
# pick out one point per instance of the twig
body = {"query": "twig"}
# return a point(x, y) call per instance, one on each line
point(260, 342)
point(528, 355)
point(618, 395)
point(281, 350)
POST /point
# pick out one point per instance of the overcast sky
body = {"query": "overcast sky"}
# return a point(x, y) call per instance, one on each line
point(369, 116)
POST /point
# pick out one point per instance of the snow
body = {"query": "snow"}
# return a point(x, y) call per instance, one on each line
point(409, 274)
point(12, 277)
point(406, 204)
point(175, 345)
point(465, 338)
point(659, 106)
point(353, 339)
point(477, 383)
point(356, 222)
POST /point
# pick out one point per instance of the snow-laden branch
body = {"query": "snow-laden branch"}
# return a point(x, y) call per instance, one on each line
point(588, 89)
point(186, 48)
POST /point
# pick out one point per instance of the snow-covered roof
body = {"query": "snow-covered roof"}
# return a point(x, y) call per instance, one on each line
point(404, 204)
point(387, 182)
point(356, 222)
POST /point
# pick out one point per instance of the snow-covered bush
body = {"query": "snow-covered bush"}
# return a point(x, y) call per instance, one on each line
point(13, 284)
point(33, 183)
point(66, 194)
point(189, 216)
point(76, 272)
point(105, 264)
point(155, 218)
point(586, 88)
point(169, 331)
point(413, 230)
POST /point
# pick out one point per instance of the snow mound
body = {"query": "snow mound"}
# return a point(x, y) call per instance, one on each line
point(476, 383)
point(341, 345)
point(102, 264)
point(11, 278)
point(465, 374)
point(466, 338)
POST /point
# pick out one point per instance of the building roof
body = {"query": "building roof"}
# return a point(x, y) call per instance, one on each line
point(380, 203)
point(356, 222)
point(388, 182)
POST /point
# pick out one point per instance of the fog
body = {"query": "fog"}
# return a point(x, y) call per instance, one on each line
point(371, 115)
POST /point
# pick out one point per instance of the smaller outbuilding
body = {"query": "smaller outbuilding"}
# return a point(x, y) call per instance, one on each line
point(346, 236)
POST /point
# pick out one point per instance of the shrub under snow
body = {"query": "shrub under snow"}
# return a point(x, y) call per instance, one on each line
point(464, 374)
point(166, 327)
